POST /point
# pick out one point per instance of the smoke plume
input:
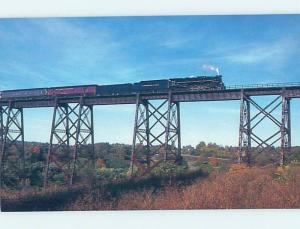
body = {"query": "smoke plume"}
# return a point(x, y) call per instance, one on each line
point(208, 67)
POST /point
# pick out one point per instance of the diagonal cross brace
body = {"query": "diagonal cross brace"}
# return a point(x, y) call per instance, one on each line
point(247, 128)
point(12, 154)
point(72, 128)
point(157, 129)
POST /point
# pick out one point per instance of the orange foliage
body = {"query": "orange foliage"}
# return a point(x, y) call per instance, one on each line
point(35, 149)
point(237, 167)
point(247, 188)
point(213, 161)
point(100, 163)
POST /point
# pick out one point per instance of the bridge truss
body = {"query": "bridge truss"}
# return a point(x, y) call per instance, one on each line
point(156, 135)
point(12, 157)
point(249, 123)
point(71, 147)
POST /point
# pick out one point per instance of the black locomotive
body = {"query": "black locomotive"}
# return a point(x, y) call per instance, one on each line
point(199, 83)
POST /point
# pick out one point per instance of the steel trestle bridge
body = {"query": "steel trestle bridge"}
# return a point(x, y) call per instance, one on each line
point(73, 127)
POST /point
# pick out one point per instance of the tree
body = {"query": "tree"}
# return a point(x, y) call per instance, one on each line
point(201, 146)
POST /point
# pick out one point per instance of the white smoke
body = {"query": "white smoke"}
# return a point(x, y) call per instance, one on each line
point(209, 67)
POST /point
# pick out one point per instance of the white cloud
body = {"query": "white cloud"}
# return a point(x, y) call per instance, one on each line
point(263, 53)
point(174, 42)
point(83, 45)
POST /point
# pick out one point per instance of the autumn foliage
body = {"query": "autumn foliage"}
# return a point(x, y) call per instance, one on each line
point(240, 187)
point(237, 187)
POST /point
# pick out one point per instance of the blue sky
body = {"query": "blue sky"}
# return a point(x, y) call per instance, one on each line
point(107, 50)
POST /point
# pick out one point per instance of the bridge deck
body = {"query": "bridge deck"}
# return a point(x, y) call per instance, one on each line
point(192, 96)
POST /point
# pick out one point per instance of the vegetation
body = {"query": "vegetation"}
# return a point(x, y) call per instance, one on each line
point(240, 187)
point(112, 160)
point(208, 177)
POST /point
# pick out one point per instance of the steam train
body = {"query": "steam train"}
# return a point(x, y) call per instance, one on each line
point(200, 83)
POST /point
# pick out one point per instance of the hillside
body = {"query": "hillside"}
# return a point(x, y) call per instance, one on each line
point(208, 177)
point(240, 187)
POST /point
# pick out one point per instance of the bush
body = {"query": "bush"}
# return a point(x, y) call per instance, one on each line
point(110, 174)
point(243, 188)
point(169, 170)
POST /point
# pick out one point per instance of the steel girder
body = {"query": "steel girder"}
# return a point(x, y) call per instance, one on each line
point(12, 154)
point(156, 136)
point(72, 128)
point(247, 135)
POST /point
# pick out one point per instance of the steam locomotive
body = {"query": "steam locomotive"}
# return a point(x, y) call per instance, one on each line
point(200, 83)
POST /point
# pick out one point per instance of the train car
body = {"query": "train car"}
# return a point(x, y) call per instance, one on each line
point(151, 86)
point(200, 83)
point(116, 89)
point(46, 92)
point(73, 90)
point(24, 93)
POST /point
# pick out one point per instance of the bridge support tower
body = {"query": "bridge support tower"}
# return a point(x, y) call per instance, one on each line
point(71, 148)
point(12, 154)
point(156, 137)
point(248, 134)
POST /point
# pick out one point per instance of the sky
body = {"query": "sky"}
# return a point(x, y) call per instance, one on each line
point(46, 52)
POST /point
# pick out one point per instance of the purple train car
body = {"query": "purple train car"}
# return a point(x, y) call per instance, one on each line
point(49, 92)
point(76, 90)
point(28, 93)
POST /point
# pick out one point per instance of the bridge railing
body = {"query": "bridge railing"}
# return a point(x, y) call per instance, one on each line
point(263, 85)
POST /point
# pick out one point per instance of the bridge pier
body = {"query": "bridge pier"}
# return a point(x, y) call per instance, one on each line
point(156, 136)
point(3, 118)
point(285, 130)
point(173, 135)
point(12, 157)
point(248, 124)
point(72, 128)
point(245, 129)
